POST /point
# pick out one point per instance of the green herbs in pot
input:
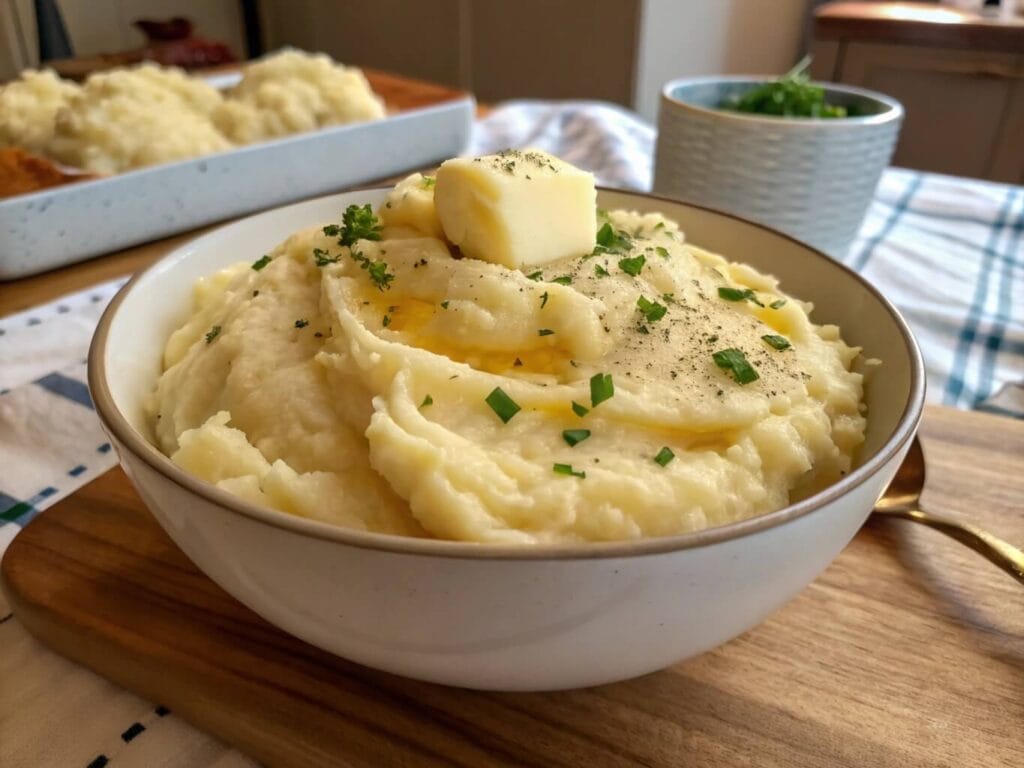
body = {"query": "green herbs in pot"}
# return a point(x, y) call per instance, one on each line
point(792, 95)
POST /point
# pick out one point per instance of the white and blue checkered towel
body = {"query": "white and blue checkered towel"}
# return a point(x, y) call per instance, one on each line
point(947, 251)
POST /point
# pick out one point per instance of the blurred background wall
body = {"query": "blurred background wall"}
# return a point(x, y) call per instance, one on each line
point(616, 50)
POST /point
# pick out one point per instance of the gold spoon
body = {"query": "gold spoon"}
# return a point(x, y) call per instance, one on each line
point(902, 500)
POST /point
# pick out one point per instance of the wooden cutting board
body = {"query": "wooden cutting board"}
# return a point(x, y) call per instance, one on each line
point(908, 651)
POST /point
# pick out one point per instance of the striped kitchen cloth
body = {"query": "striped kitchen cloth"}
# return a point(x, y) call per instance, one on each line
point(947, 251)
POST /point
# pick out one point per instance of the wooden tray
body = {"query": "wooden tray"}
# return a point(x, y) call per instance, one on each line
point(908, 651)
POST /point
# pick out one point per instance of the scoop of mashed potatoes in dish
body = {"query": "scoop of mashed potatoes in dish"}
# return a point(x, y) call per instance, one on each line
point(488, 358)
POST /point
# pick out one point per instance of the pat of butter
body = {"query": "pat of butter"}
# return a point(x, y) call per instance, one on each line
point(519, 209)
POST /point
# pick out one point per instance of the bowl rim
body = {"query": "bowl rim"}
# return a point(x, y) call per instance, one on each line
point(130, 439)
point(893, 108)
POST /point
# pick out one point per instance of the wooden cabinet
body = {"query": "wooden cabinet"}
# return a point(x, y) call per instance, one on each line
point(961, 82)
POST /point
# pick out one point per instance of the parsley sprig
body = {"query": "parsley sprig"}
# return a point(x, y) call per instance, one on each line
point(357, 223)
point(566, 469)
point(377, 270)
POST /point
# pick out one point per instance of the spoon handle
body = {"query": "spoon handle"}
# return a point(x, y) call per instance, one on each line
point(1000, 552)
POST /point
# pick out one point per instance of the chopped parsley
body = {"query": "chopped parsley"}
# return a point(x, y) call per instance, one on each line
point(386, 321)
point(664, 456)
point(579, 410)
point(428, 182)
point(652, 310)
point(601, 388)
point(738, 294)
point(323, 258)
point(377, 270)
point(575, 436)
point(778, 304)
point(632, 266)
point(502, 404)
point(213, 334)
point(735, 362)
point(661, 251)
point(778, 342)
point(610, 240)
point(566, 469)
point(545, 332)
point(444, 304)
point(428, 400)
point(357, 223)
point(535, 275)
point(301, 323)
point(543, 299)
point(563, 280)
point(261, 262)
point(600, 271)
point(518, 363)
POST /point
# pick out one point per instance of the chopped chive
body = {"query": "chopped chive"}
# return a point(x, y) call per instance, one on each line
point(543, 299)
point(563, 280)
point(545, 332)
point(600, 271)
point(734, 361)
point(664, 456)
point(261, 263)
point(778, 304)
point(502, 404)
point(579, 410)
point(213, 334)
point(738, 294)
point(778, 342)
point(566, 469)
point(632, 266)
point(662, 251)
point(428, 400)
point(575, 436)
point(535, 275)
point(601, 388)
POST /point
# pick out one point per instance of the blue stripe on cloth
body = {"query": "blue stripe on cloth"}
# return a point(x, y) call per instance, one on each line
point(105, 448)
point(862, 259)
point(76, 471)
point(67, 387)
point(997, 333)
point(12, 509)
point(969, 333)
point(1014, 260)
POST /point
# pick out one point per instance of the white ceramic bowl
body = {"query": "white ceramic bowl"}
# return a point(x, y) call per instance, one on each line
point(502, 617)
point(810, 178)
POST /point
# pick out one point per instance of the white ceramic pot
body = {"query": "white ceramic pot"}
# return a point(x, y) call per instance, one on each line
point(810, 178)
point(502, 617)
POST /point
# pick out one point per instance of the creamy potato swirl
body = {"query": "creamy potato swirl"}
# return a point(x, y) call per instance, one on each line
point(364, 396)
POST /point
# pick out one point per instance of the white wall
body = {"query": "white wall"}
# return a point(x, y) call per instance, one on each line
point(708, 37)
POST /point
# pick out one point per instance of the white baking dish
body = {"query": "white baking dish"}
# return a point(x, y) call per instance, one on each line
point(55, 227)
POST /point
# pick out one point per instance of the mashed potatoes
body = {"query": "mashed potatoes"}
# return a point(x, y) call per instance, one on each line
point(646, 388)
point(131, 118)
point(29, 107)
point(293, 92)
